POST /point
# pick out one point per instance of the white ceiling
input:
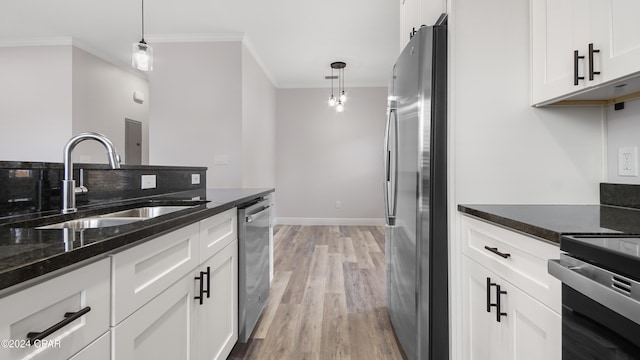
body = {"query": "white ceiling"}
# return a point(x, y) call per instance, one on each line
point(294, 40)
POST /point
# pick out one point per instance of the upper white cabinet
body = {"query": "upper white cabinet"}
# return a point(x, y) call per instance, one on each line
point(616, 25)
point(415, 13)
point(581, 45)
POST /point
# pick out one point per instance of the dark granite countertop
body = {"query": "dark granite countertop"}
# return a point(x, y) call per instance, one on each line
point(550, 222)
point(26, 254)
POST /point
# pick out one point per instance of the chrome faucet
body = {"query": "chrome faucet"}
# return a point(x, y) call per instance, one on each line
point(69, 188)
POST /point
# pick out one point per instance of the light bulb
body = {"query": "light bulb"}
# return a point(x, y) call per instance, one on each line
point(332, 101)
point(340, 107)
point(343, 97)
point(142, 58)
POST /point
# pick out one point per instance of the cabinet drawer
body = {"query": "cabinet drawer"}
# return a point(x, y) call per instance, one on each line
point(44, 305)
point(217, 232)
point(144, 271)
point(526, 265)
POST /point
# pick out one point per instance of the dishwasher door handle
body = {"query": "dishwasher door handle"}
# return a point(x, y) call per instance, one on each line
point(250, 218)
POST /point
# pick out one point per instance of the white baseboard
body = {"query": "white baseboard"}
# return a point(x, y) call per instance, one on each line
point(330, 221)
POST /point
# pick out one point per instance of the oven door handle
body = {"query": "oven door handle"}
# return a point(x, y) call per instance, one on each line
point(598, 284)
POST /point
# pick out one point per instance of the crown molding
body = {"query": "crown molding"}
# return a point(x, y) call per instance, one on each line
point(168, 38)
point(37, 41)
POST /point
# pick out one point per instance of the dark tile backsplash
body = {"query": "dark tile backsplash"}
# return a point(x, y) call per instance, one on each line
point(27, 187)
point(620, 195)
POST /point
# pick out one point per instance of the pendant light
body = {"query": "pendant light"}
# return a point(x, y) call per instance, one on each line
point(332, 99)
point(142, 55)
point(342, 97)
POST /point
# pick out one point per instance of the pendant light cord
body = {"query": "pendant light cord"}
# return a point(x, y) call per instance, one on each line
point(143, 21)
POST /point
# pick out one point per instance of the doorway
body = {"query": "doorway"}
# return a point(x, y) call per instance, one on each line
point(133, 142)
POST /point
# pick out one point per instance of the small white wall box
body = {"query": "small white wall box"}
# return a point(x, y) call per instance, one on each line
point(138, 97)
point(148, 182)
point(195, 179)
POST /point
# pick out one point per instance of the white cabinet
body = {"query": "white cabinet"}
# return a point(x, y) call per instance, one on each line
point(162, 329)
point(511, 306)
point(217, 317)
point(97, 350)
point(579, 45)
point(176, 296)
point(81, 296)
point(415, 13)
point(527, 330)
point(617, 30)
point(144, 271)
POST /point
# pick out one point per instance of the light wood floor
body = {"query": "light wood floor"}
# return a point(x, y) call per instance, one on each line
point(327, 297)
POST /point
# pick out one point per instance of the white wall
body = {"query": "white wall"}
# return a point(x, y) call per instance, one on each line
point(324, 157)
point(623, 130)
point(102, 99)
point(258, 125)
point(505, 151)
point(35, 102)
point(195, 113)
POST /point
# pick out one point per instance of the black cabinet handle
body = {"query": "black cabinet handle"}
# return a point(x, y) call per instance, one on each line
point(68, 318)
point(576, 57)
point(499, 312)
point(201, 295)
point(495, 251)
point(591, 52)
point(208, 273)
point(489, 285)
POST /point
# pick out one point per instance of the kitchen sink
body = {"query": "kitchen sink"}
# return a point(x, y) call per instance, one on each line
point(145, 212)
point(91, 223)
point(116, 218)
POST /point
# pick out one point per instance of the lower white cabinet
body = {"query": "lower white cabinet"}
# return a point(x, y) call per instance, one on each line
point(217, 317)
point(195, 317)
point(97, 350)
point(511, 305)
point(527, 330)
point(164, 328)
point(77, 302)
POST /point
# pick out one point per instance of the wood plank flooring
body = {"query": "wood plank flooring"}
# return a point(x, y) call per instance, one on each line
point(327, 297)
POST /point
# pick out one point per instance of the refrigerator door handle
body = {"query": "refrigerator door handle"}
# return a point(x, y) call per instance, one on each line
point(390, 158)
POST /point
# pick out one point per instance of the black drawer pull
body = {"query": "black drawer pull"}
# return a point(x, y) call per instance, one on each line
point(68, 318)
point(201, 296)
point(499, 312)
point(489, 285)
point(208, 273)
point(495, 251)
point(576, 57)
point(591, 52)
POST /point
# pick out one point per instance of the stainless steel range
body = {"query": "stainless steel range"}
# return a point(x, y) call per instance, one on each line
point(600, 296)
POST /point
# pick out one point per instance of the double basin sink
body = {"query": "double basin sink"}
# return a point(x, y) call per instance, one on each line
point(116, 218)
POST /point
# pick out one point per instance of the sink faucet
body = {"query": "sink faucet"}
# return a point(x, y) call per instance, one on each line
point(69, 188)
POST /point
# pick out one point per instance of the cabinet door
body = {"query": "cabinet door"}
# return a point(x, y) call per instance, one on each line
point(482, 338)
point(217, 232)
point(409, 19)
point(558, 28)
point(616, 33)
point(218, 315)
point(534, 330)
point(162, 329)
point(97, 350)
point(84, 291)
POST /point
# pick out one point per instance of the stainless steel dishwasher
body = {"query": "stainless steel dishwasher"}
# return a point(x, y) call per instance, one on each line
point(253, 264)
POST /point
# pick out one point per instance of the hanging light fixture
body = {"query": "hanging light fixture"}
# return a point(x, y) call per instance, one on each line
point(142, 58)
point(342, 96)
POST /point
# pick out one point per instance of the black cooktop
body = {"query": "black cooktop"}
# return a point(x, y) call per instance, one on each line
point(617, 253)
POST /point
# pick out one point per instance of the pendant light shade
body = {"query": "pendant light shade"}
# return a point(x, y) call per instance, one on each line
point(142, 53)
point(142, 58)
point(338, 102)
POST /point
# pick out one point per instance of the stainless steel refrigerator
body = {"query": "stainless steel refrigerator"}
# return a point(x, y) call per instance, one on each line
point(415, 193)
